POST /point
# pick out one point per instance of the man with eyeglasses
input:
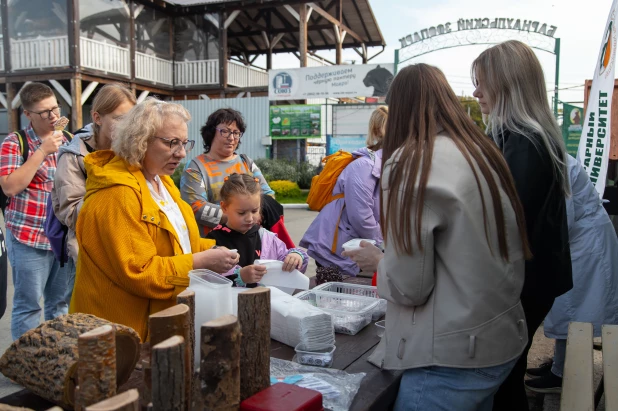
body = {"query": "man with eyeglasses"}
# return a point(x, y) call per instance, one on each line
point(28, 183)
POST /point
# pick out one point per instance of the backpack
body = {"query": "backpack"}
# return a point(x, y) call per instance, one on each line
point(55, 231)
point(322, 185)
point(25, 151)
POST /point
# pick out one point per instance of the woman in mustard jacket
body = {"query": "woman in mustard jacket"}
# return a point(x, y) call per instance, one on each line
point(137, 239)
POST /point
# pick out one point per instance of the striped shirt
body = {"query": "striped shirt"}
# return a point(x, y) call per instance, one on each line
point(27, 211)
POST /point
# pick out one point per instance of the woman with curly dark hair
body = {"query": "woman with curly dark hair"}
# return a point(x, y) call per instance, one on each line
point(202, 179)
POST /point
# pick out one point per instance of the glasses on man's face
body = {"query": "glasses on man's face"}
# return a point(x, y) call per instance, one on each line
point(46, 114)
point(226, 133)
point(176, 143)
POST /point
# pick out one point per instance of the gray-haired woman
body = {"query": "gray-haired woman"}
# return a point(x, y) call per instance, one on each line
point(137, 239)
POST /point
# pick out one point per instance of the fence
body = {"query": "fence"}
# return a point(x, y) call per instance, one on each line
point(154, 69)
point(100, 55)
point(190, 73)
point(240, 75)
point(39, 53)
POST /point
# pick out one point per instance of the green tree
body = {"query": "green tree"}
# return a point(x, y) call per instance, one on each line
point(474, 110)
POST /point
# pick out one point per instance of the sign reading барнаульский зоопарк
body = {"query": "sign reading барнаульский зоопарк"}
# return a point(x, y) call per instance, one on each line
point(366, 80)
point(503, 23)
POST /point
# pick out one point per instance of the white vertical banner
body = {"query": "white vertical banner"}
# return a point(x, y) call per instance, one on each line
point(594, 144)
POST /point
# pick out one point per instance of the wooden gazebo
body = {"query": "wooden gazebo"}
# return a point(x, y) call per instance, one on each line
point(175, 48)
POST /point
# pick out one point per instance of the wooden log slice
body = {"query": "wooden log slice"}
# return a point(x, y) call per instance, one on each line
point(44, 359)
point(254, 319)
point(96, 366)
point(126, 401)
point(168, 379)
point(220, 363)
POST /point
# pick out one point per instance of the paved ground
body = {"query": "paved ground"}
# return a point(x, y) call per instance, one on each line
point(297, 222)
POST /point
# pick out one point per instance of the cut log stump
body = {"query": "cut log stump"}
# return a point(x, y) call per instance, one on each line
point(187, 297)
point(168, 379)
point(254, 319)
point(169, 323)
point(127, 401)
point(44, 359)
point(96, 366)
point(220, 364)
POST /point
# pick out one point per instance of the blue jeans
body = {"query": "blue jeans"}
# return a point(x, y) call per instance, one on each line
point(36, 274)
point(445, 388)
point(559, 355)
point(70, 267)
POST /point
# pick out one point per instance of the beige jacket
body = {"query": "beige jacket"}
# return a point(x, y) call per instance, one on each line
point(70, 183)
point(456, 304)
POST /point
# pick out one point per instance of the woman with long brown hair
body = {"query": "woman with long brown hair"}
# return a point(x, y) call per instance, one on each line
point(455, 245)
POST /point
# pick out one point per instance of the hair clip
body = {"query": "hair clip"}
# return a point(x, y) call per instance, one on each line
point(257, 180)
point(226, 178)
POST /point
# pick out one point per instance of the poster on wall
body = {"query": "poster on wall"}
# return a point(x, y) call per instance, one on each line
point(572, 117)
point(295, 121)
point(363, 80)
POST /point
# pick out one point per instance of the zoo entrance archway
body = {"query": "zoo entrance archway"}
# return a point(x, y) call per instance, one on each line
point(481, 31)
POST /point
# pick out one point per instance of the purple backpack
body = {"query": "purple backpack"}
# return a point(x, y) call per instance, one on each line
point(56, 233)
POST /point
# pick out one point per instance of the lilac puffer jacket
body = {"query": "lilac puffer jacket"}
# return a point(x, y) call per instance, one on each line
point(360, 218)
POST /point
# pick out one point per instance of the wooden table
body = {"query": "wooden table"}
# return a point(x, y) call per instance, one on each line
point(378, 389)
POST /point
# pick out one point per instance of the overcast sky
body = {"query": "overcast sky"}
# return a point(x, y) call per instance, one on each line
point(580, 28)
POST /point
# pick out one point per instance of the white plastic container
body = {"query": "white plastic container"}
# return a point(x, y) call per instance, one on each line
point(316, 357)
point(285, 281)
point(350, 313)
point(356, 289)
point(354, 244)
point(213, 298)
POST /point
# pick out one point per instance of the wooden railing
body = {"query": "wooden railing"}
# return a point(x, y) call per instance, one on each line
point(197, 73)
point(39, 53)
point(104, 56)
point(240, 75)
point(154, 69)
point(316, 62)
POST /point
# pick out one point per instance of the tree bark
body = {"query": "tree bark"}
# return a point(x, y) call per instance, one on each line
point(126, 401)
point(196, 401)
point(187, 297)
point(254, 319)
point(56, 341)
point(220, 363)
point(165, 324)
point(96, 366)
point(145, 392)
point(168, 372)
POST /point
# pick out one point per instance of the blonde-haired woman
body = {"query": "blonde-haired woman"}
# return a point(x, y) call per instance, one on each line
point(357, 213)
point(453, 262)
point(138, 240)
point(111, 102)
point(510, 87)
